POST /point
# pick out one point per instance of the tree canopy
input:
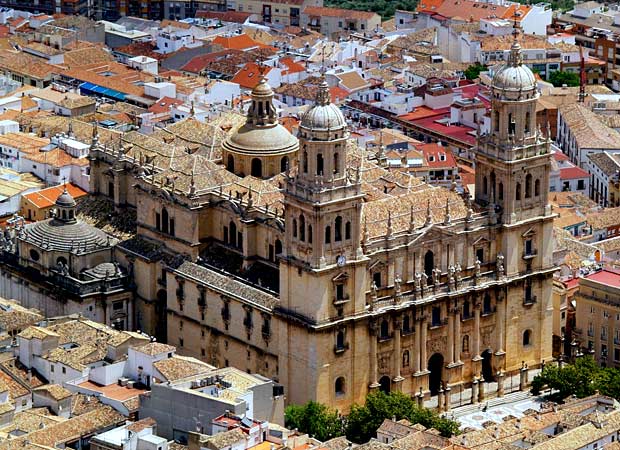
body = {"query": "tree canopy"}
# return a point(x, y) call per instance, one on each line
point(385, 8)
point(581, 379)
point(560, 78)
point(363, 421)
point(473, 71)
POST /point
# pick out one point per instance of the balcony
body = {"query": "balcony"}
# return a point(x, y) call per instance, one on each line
point(439, 323)
point(531, 254)
point(529, 301)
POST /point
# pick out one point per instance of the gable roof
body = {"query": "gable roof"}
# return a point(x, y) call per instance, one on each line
point(249, 75)
point(46, 198)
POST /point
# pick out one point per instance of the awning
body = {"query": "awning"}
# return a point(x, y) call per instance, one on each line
point(86, 88)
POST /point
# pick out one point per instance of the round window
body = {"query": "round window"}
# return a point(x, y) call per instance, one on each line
point(34, 255)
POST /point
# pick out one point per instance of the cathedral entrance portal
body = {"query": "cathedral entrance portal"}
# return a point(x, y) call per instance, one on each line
point(487, 366)
point(435, 366)
point(385, 383)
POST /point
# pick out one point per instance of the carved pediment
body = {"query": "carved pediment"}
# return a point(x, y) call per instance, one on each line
point(430, 234)
point(481, 241)
point(529, 233)
point(341, 277)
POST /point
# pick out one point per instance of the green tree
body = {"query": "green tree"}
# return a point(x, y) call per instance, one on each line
point(560, 78)
point(473, 71)
point(580, 379)
point(363, 421)
point(315, 419)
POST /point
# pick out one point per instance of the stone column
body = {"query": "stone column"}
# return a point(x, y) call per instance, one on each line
point(481, 385)
point(372, 327)
point(501, 313)
point(447, 393)
point(474, 391)
point(423, 338)
point(451, 339)
point(397, 350)
point(476, 329)
point(523, 377)
point(440, 400)
point(457, 334)
point(416, 356)
point(500, 384)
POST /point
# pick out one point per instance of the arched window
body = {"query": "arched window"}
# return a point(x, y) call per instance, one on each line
point(231, 163)
point(302, 228)
point(284, 164)
point(305, 161)
point(465, 346)
point(336, 162)
point(164, 220)
point(518, 192)
point(338, 229)
point(485, 186)
point(429, 265)
point(406, 358)
point(340, 339)
point(64, 214)
point(511, 124)
point(278, 246)
point(157, 221)
point(309, 234)
point(294, 228)
point(71, 212)
point(319, 164)
point(406, 324)
point(528, 186)
point(328, 234)
point(347, 230)
point(61, 260)
point(527, 337)
point(232, 233)
point(536, 187)
point(340, 386)
point(492, 187)
point(496, 121)
point(527, 122)
point(501, 191)
point(486, 304)
point(257, 168)
point(384, 332)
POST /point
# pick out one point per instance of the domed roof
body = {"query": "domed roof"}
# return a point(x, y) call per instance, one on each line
point(514, 76)
point(324, 115)
point(261, 134)
point(57, 235)
point(65, 200)
point(105, 270)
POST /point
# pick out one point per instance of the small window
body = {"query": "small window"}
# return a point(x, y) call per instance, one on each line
point(340, 386)
point(527, 337)
point(34, 255)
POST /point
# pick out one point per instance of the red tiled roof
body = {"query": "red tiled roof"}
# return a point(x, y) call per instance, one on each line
point(249, 76)
point(198, 63)
point(338, 94)
point(559, 156)
point(47, 197)
point(225, 16)
point(571, 173)
point(292, 66)
point(606, 277)
point(322, 11)
point(470, 9)
point(164, 104)
point(437, 152)
point(240, 42)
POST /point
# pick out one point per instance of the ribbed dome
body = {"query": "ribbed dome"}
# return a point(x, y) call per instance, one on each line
point(514, 76)
point(323, 115)
point(261, 134)
point(56, 235)
point(65, 200)
point(104, 270)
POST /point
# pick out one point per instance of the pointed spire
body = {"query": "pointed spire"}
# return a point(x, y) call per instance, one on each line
point(390, 230)
point(447, 218)
point(323, 96)
point(411, 219)
point(515, 58)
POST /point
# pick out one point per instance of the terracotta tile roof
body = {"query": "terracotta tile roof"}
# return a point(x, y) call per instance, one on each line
point(24, 142)
point(54, 391)
point(352, 80)
point(57, 158)
point(249, 76)
point(179, 367)
point(588, 130)
point(46, 198)
point(155, 348)
point(238, 42)
point(291, 66)
point(87, 55)
point(175, 24)
point(319, 11)
point(225, 16)
point(198, 63)
point(25, 64)
point(572, 173)
point(469, 9)
point(608, 217)
point(164, 104)
point(141, 49)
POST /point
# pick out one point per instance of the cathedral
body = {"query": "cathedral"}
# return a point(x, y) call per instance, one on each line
point(301, 259)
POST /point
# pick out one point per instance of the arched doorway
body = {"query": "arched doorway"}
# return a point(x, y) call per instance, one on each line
point(487, 366)
point(385, 384)
point(257, 168)
point(435, 367)
point(429, 265)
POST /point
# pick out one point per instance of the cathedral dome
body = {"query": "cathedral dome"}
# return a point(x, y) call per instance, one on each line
point(261, 134)
point(323, 115)
point(58, 235)
point(65, 200)
point(514, 76)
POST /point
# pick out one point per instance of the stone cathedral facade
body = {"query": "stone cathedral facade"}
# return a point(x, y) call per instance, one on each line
point(302, 259)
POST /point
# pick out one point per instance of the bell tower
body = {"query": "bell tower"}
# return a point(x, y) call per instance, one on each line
point(323, 204)
point(513, 160)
